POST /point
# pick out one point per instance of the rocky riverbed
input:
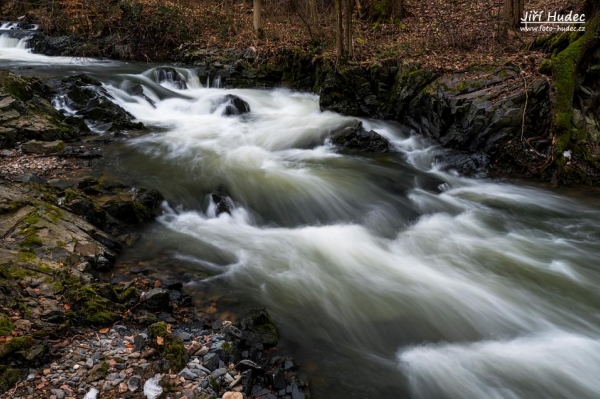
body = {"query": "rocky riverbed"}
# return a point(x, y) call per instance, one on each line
point(71, 326)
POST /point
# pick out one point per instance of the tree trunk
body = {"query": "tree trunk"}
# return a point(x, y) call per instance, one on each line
point(312, 5)
point(348, 28)
point(512, 11)
point(359, 9)
point(257, 8)
point(339, 30)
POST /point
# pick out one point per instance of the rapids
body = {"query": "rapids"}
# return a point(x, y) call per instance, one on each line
point(387, 276)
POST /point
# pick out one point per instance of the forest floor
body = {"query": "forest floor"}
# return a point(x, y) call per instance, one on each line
point(438, 34)
point(441, 35)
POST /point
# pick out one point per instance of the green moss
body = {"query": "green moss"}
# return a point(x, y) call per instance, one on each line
point(564, 70)
point(226, 348)
point(100, 372)
point(172, 348)
point(11, 207)
point(128, 295)
point(26, 256)
point(31, 240)
point(158, 330)
point(53, 213)
point(16, 345)
point(87, 305)
point(6, 326)
point(8, 378)
point(214, 384)
point(32, 218)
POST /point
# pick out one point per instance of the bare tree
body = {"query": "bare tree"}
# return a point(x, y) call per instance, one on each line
point(348, 28)
point(257, 8)
point(312, 8)
point(339, 30)
point(512, 11)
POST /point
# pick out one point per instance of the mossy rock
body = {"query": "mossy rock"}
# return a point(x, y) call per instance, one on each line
point(88, 306)
point(16, 346)
point(259, 322)
point(6, 326)
point(8, 378)
point(170, 347)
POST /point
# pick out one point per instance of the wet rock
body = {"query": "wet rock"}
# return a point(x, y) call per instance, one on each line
point(222, 203)
point(258, 329)
point(234, 105)
point(141, 208)
point(93, 103)
point(233, 331)
point(30, 178)
point(27, 114)
point(248, 365)
point(43, 147)
point(463, 162)
point(157, 299)
point(170, 75)
point(355, 137)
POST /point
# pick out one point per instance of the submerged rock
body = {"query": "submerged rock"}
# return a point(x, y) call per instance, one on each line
point(233, 105)
point(355, 137)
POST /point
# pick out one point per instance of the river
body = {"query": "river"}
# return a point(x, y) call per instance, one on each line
point(386, 276)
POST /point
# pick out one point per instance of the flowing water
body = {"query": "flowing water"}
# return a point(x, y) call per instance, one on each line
point(386, 276)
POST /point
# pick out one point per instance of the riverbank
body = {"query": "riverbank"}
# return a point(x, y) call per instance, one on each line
point(73, 326)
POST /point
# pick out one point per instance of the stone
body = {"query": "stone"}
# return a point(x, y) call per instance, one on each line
point(211, 361)
point(134, 382)
point(92, 102)
point(157, 299)
point(258, 329)
point(233, 395)
point(23, 325)
point(188, 374)
point(43, 147)
point(59, 393)
point(355, 137)
point(246, 364)
point(233, 105)
point(171, 76)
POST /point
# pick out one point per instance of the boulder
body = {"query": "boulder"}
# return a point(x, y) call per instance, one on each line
point(355, 137)
point(93, 103)
point(43, 147)
point(479, 111)
point(221, 201)
point(465, 163)
point(27, 114)
point(170, 75)
point(233, 105)
point(141, 208)
point(258, 330)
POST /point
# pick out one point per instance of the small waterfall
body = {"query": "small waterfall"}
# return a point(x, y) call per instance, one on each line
point(217, 82)
point(18, 25)
point(9, 42)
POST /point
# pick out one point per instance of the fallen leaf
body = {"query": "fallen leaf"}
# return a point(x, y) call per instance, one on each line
point(160, 341)
point(104, 330)
point(67, 306)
